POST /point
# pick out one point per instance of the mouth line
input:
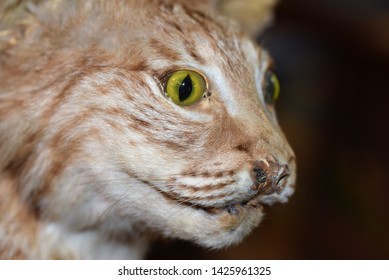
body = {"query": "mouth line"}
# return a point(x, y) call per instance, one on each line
point(234, 208)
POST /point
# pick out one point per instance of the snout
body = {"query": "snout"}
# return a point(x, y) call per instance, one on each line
point(272, 182)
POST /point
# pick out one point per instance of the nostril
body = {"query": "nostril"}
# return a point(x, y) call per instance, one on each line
point(260, 175)
point(282, 178)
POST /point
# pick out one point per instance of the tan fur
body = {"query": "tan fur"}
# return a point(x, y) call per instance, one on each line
point(95, 160)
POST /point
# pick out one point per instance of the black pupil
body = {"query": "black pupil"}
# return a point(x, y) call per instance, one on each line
point(269, 87)
point(186, 88)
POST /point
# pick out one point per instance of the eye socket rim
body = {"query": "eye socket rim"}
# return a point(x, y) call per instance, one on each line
point(189, 101)
point(271, 97)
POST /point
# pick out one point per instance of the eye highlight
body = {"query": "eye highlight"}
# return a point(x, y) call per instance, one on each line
point(271, 87)
point(185, 87)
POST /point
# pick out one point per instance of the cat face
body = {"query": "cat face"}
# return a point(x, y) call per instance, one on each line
point(205, 169)
point(125, 147)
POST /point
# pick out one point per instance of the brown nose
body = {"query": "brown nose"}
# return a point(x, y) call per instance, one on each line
point(270, 176)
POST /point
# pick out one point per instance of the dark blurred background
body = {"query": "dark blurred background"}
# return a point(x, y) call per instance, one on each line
point(332, 58)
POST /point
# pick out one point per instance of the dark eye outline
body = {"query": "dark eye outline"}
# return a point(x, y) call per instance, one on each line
point(184, 79)
point(271, 87)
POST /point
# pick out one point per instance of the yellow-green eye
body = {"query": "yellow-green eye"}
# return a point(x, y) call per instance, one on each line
point(271, 87)
point(185, 87)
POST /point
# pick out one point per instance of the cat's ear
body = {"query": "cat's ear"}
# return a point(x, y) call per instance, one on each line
point(253, 15)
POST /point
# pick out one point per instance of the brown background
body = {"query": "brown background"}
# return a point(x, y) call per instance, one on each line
point(332, 59)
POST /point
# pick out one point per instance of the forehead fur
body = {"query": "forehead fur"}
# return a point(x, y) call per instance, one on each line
point(76, 20)
point(182, 32)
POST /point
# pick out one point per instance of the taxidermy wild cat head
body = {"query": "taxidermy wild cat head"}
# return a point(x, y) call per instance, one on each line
point(122, 120)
